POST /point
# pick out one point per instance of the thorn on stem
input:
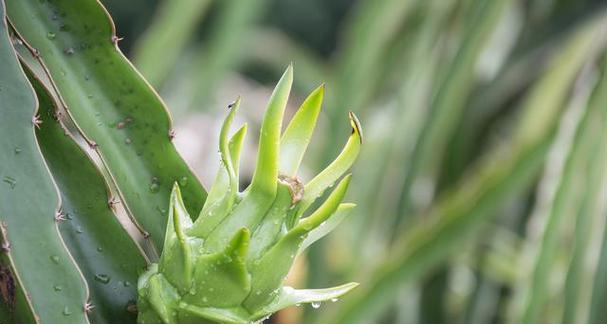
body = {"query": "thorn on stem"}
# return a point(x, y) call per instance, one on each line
point(59, 216)
point(88, 307)
point(6, 247)
point(93, 145)
point(113, 202)
point(36, 121)
point(115, 39)
point(172, 134)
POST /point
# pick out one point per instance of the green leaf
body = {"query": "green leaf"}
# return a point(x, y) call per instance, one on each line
point(269, 272)
point(177, 259)
point(578, 192)
point(159, 47)
point(459, 214)
point(449, 102)
point(132, 131)
point(221, 279)
point(266, 171)
point(262, 191)
point(290, 297)
point(34, 257)
point(105, 253)
point(328, 226)
point(325, 179)
point(215, 208)
point(273, 222)
point(224, 49)
point(296, 136)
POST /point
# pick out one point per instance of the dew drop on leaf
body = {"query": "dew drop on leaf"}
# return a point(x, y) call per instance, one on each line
point(55, 259)
point(315, 305)
point(67, 311)
point(50, 35)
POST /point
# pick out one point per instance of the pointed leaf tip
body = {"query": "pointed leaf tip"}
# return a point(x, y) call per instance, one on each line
point(297, 135)
point(266, 171)
point(356, 127)
point(239, 244)
point(235, 103)
point(290, 297)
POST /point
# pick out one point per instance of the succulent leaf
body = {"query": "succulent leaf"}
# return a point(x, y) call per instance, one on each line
point(343, 210)
point(215, 209)
point(317, 186)
point(290, 297)
point(229, 265)
point(296, 137)
point(259, 196)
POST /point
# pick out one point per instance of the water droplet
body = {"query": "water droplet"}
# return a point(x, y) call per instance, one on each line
point(192, 291)
point(297, 305)
point(90, 96)
point(17, 150)
point(68, 51)
point(183, 181)
point(55, 259)
point(50, 35)
point(334, 299)
point(102, 278)
point(12, 182)
point(127, 141)
point(57, 288)
point(126, 284)
point(99, 249)
point(79, 230)
point(315, 305)
point(204, 299)
point(67, 311)
point(154, 187)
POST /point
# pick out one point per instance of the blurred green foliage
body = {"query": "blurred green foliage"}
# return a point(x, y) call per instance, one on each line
point(481, 183)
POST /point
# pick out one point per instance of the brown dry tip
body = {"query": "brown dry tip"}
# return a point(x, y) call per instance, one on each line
point(296, 188)
point(356, 128)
